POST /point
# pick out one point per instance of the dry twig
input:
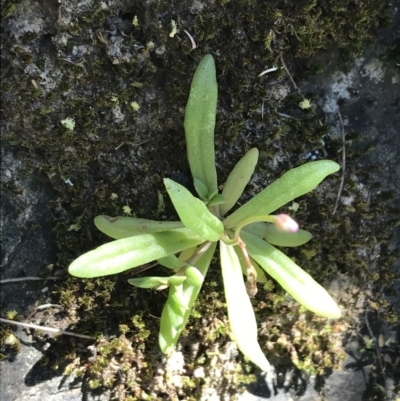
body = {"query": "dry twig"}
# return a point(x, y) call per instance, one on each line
point(45, 328)
point(343, 162)
point(191, 39)
point(290, 76)
point(378, 352)
point(14, 280)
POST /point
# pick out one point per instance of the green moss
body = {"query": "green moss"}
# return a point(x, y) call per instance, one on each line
point(9, 8)
point(29, 37)
point(10, 345)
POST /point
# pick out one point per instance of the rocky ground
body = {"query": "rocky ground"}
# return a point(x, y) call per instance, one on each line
point(93, 95)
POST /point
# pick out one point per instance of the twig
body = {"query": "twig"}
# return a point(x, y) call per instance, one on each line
point(290, 76)
point(40, 307)
point(191, 39)
point(343, 162)
point(44, 306)
point(77, 64)
point(284, 115)
point(14, 280)
point(131, 143)
point(376, 349)
point(45, 328)
point(268, 71)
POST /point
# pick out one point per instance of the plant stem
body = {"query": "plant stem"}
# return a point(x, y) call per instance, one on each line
point(203, 248)
point(251, 283)
point(250, 220)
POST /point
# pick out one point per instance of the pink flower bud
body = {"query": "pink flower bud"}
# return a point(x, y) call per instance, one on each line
point(285, 223)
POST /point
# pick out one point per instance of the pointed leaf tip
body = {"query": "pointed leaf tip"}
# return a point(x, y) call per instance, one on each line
point(291, 185)
point(193, 212)
point(242, 320)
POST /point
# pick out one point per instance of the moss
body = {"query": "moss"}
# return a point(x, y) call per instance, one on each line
point(10, 345)
point(12, 315)
point(29, 37)
point(9, 8)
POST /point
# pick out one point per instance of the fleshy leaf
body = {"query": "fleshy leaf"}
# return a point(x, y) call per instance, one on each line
point(178, 298)
point(123, 254)
point(291, 185)
point(194, 277)
point(193, 212)
point(275, 237)
point(199, 123)
point(299, 284)
point(200, 188)
point(180, 302)
point(171, 262)
point(259, 228)
point(149, 282)
point(187, 254)
point(123, 227)
point(242, 320)
point(289, 239)
point(176, 280)
point(217, 199)
point(238, 179)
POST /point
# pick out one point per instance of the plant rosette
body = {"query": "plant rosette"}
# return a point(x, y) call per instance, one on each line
point(247, 237)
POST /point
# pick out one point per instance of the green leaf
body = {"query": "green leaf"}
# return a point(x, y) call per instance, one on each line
point(279, 238)
point(193, 212)
point(291, 185)
point(186, 254)
point(149, 282)
point(299, 284)
point(199, 123)
point(171, 262)
point(259, 228)
point(238, 179)
point(123, 227)
point(275, 237)
point(194, 277)
point(217, 199)
point(123, 254)
point(178, 298)
point(176, 280)
point(180, 302)
point(200, 188)
point(242, 320)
